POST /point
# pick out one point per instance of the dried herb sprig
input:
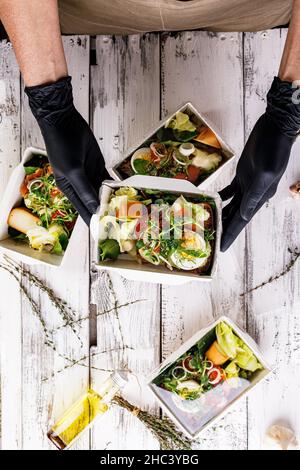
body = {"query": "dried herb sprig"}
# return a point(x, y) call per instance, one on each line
point(80, 362)
point(104, 312)
point(116, 310)
point(162, 429)
point(35, 308)
point(65, 310)
point(295, 256)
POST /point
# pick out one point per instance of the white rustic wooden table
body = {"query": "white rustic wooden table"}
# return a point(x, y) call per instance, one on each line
point(134, 82)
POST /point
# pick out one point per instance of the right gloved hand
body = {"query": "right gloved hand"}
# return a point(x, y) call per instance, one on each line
point(263, 161)
point(72, 149)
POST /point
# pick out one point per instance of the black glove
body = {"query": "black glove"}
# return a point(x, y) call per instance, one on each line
point(263, 161)
point(74, 154)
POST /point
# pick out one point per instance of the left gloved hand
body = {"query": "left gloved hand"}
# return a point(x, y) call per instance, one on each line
point(72, 149)
point(263, 161)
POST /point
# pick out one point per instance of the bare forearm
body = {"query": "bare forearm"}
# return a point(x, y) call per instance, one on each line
point(33, 28)
point(290, 63)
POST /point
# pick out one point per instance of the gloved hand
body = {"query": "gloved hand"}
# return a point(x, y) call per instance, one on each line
point(72, 149)
point(263, 161)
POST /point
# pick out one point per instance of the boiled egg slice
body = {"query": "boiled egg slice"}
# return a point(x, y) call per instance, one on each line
point(187, 261)
point(141, 154)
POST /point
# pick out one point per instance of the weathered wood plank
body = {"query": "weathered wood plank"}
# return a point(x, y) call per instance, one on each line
point(45, 396)
point(10, 319)
point(273, 317)
point(207, 69)
point(125, 105)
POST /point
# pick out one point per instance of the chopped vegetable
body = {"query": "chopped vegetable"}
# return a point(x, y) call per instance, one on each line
point(184, 136)
point(188, 364)
point(48, 218)
point(48, 239)
point(179, 373)
point(245, 358)
point(198, 371)
point(141, 167)
point(177, 150)
point(108, 249)
point(227, 341)
point(193, 173)
point(215, 355)
point(160, 228)
point(131, 193)
point(189, 389)
point(181, 122)
point(141, 159)
point(232, 370)
point(214, 376)
point(205, 160)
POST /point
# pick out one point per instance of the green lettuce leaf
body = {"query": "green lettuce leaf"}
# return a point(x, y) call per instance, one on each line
point(245, 358)
point(29, 170)
point(182, 122)
point(232, 370)
point(227, 340)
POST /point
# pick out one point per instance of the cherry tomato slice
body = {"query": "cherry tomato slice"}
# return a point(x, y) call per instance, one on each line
point(180, 176)
point(55, 192)
point(193, 173)
point(187, 364)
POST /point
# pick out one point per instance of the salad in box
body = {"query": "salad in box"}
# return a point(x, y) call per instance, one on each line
point(164, 228)
point(208, 373)
point(184, 147)
point(37, 219)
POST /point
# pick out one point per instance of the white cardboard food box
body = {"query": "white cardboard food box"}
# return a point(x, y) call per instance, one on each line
point(258, 375)
point(12, 198)
point(127, 266)
point(198, 118)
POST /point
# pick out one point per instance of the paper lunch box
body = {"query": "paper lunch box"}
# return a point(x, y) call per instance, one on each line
point(197, 118)
point(11, 199)
point(126, 265)
point(194, 416)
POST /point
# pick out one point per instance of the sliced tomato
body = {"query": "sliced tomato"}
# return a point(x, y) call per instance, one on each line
point(55, 192)
point(214, 373)
point(37, 174)
point(24, 186)
point(57, 214)
point(187, 364)
point(70, 225)
point(223, 373)
point(158, 151)
point(193, 173)
point(180, 176)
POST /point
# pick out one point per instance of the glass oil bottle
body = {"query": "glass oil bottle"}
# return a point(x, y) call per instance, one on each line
point(83, 413)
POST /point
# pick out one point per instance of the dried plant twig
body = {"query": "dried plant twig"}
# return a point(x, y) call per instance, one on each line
point(104, 312)
point(162, 429)
point(66, 312)
point(79, 362)
point(295, 256)
point(35, 308)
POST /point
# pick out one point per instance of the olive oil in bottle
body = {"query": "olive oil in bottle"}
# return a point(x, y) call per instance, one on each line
point(83, 413)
